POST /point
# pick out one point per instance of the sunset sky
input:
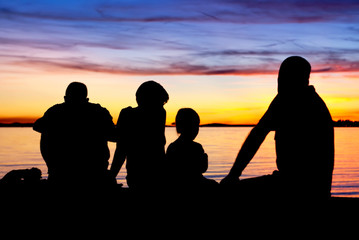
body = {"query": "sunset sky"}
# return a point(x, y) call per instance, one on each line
point(220, 57)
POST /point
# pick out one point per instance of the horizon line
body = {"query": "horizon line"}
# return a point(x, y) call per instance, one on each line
point(338, 123)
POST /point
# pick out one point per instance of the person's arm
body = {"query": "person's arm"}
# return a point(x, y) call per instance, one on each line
point(44, 149)
point(247, 152)
point(109, 127)
point(41, 126)
point(252, 144)
point(121, 148)
point(203, 160)
point(38, 125)
point(118, 160)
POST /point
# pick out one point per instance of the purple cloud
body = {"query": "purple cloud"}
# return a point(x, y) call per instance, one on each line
point(165, 68)
point(178, 37)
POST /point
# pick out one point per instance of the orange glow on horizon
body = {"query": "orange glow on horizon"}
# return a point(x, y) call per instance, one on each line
point(9, 120)
point(228, 99)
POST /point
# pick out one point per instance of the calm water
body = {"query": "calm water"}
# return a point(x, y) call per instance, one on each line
point(19, 148)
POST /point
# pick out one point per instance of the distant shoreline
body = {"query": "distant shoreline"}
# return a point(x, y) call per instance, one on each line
point(16, 124)
point(339, 123)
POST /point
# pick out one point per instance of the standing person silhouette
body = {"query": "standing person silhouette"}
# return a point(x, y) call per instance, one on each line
point(74, 137)
point(141, 137)
point(304, 138)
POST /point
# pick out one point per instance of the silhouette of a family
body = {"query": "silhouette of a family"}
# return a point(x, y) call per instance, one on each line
point(74, 137)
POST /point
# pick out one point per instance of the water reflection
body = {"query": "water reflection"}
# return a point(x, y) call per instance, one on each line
point(19, 148)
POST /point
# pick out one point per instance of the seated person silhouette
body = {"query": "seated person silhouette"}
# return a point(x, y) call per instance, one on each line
point(304, 138)
point(74, 137)
point(185, 158)
point(141, 138)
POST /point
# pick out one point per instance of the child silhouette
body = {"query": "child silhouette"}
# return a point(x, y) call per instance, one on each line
point(186, 159)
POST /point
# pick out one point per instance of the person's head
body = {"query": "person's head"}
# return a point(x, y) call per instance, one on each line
point(76, 93)
point(151, 94)
point(293, 75)
point(187, 123)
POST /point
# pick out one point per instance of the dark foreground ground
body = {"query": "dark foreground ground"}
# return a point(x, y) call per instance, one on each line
point(205, 214)
point(220, 194)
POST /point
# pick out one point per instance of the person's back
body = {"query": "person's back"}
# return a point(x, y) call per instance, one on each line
point(74, 141)
point(304, 130)
point(141, 138)
point(142, 134)
point(186, 160)
point(304, 140)
point(304, 136)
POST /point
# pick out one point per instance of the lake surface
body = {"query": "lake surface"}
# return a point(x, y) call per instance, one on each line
point(19, 149)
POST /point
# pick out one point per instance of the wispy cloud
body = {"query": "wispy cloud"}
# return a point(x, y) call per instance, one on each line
point(59, 44)
point(213, 37)
point(166, 68)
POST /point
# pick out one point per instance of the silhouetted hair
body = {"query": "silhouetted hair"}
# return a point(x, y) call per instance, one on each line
point(151, 93)
point(293, 74)
point(186, 119)
point(76, 92)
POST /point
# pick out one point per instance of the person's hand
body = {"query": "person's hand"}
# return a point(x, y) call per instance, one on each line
point(230, 180)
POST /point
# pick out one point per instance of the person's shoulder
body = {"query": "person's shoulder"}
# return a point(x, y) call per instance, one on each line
point(50, 115)
point(172, 149)
point(55, 108)
point(319, 105)
point(274, 107)
point(97, 107)
point(125, 116)
point(175, 144)
point(171, 146)
point(275, 102)
point(127, 109)
point(315, 96)
point(197, 146)
point(126, 112)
